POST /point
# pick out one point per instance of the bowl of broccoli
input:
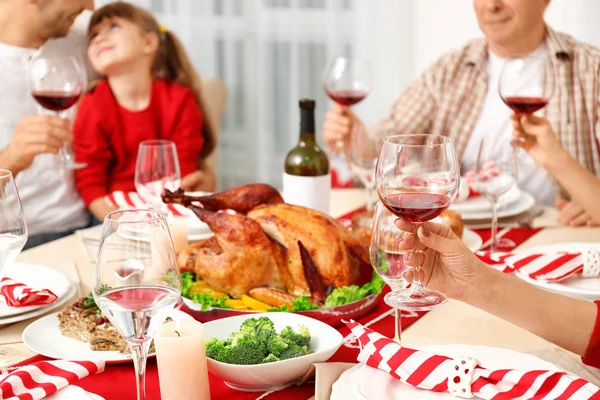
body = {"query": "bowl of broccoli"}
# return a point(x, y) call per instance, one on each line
point(267, 351)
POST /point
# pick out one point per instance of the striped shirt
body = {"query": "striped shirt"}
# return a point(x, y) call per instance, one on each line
point(449, 95)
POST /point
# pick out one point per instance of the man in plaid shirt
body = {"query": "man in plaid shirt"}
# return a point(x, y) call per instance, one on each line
point(458, 96)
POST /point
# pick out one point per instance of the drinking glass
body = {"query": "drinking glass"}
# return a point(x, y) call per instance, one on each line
point(496, 173)
point(387, 258)
point(13, 229)
point(521, 87)
point(363, 159)
point(157, 168)
point(136, 281)
point(417, 178)
point(56, 84)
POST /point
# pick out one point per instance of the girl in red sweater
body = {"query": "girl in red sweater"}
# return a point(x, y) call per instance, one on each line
point(149, 91)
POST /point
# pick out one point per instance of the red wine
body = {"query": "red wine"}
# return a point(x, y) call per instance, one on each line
point(347, 97)
point(525, 105)
point(56, 100)
point(416, 207)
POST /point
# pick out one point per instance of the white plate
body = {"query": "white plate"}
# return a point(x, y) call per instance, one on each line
point(73, 392)
point(523, 204)
point(37, 277)
point(357, 382)
point(575, 286)
point(480, 203)
point(42, 310)
point(54, 345)
point(192, 237)
point(472, 240)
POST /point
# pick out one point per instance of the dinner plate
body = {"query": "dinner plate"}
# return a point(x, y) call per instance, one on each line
point(73, 392)
point(472, 239)
point(357, 382)
point(524, 203)
point(575, 286)
point(51, 343)
point(480, 203)
point(37, 277)
point(42, 310)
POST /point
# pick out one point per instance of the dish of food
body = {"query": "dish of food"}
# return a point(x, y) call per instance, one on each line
point(267, 254)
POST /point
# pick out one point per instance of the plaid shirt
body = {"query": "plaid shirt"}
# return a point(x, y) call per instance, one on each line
point(448, 97)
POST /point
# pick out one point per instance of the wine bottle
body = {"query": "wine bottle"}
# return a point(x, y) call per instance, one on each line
point(306, 179)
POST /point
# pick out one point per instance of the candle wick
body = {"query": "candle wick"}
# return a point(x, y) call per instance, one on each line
point(178, 334)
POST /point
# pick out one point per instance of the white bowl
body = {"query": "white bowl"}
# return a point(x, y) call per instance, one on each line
point(324, 341)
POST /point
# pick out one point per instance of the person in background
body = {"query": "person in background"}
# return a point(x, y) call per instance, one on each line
point(29, 142)
point(149, 91)
point(451, 268)
point(458, 96)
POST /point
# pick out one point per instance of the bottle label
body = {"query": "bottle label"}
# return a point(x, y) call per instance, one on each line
point(308, 191)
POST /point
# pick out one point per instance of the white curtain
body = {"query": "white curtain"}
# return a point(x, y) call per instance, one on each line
point(270, 53)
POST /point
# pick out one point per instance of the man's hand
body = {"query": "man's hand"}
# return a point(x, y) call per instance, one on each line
point(35, 134)
point(572, 214)
point(337, 128)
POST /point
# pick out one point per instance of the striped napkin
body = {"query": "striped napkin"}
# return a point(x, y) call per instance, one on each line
point(126, 200)
point(550, 267)
point(464, 377)
point(16, 294)
point(41, 379)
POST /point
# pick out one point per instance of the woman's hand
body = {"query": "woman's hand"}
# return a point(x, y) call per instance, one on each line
point(337, 128)
point(447, 264)
point(536, 136)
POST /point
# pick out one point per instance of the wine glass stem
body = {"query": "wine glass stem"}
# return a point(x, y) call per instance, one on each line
point(369, 193)
point(139, 352)
point(416, 284)
point(494, 245)
point(397, 325)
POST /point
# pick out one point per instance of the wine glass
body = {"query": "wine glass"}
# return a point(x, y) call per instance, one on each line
point(363, 160)
point(521, 87)
point(56, 84)
point(387, 258)
point(417, 178)
point(496, 173)
point(157, 168)
point(136, 281)
point(13, 229)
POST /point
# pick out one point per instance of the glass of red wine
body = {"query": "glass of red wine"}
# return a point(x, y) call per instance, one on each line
point(56, 84)
point(136, 281)
point(417, 178)
point(522, 85)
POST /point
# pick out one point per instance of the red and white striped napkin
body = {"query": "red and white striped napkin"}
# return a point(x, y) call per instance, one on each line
point(126, 200)
point(550, 267)
point(41, 379)
point(16, 294)
point(464, 377)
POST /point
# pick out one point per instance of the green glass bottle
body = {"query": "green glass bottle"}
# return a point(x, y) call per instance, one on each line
point(306, 179)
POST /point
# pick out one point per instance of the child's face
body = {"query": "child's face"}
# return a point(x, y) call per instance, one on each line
point(116, 44)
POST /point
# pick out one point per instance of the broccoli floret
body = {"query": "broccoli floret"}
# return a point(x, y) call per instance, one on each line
point(301, 338)
point(270, 358)
point(277, 345)
point(217, 350)
point(246, 351)
point(293, 351)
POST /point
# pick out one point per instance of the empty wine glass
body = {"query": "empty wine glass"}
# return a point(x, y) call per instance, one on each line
point(496, 173)
point(13, 229)
point(363, 159)
point(56, 84)
point(417, 178)
point(387, 258)
point(157, 168)
point(136, 281)
point(524, 86)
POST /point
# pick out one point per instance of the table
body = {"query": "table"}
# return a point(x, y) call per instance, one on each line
point(454, 323)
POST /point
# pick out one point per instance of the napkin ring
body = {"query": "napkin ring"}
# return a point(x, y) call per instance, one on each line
point(591, 264)
point(460, 377)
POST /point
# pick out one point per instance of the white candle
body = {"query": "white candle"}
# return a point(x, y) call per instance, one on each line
point(181, 359)
point(179, 233)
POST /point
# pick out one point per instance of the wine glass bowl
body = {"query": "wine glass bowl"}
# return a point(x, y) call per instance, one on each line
point(136, 280)
point(56, 84)
point(417, 178)
point(521, 87)
point(347, 81)
point(157, 168)
point(13, 228)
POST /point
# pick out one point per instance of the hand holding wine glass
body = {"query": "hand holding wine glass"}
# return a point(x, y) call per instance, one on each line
point(157, 168)
point(56, 84)
point(136, 280)
point(417, 178)
point(13, 229)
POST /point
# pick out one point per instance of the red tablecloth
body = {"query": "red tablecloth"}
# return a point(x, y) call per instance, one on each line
point(118, 381)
